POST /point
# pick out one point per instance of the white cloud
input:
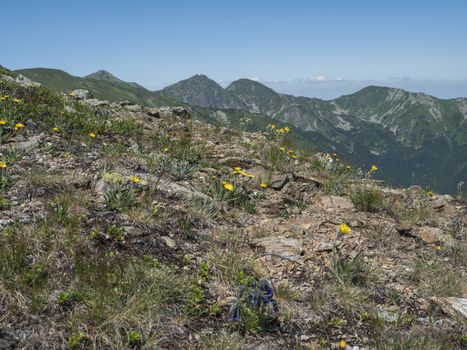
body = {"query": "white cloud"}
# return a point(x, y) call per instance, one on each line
point(320, 78)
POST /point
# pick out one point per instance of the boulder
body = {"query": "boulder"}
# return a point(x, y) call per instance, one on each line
point(336, 202)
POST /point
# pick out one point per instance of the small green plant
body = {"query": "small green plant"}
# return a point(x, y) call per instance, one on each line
point(367, 198)
point(116, 232)
point(235, 196)
point(251, 305)
point(134, 338)
point(118, 200)
point(76, 340)
point(347, 270)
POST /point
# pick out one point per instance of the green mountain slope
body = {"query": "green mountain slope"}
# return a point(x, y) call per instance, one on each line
point(102, 85)
point(414, 138)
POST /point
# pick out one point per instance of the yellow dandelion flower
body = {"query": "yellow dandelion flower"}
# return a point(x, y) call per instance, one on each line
point(2, 165)
point(344, 229)
point(227, 186)
point(135, 179)
point(237, 169)
point(342, 344)
point(437, 247)
point(282, 149)
point(263, 185)
point(72, 94)
point(293, 156)
point(272, 126)
point(213, 177)
point(55, 129)
point(251, 176)
point(92, 134)
point(16, 100)
point(430, 193)
point(290, 151)
point(19, 126)
point(3, 122)
point(166, 149)
point(374, 168)
point(286, 129)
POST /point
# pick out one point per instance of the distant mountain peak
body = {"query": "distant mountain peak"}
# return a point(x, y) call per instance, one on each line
point(103, 75)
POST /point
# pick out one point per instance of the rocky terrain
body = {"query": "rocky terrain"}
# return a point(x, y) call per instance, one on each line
point(129, 227)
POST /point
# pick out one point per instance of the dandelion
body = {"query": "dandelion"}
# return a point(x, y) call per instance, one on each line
point(272, 126)
point(263, 185)
point(282, 149)
point(293, 156)
point(430, 193)
point(2, 165)
point(92, 134)
point(3, 98)
point(286, 129)
point(237, 169)
point(3, 122)
point(290, 151)
point(166, 149)
point(228, 186)
point(135, 179)
point(213, 177)
point(16, 100)
point(342, 344)
point(437, 247)
point(55, 129)
point(344, 229)
point(19, 126)
point(373, 168)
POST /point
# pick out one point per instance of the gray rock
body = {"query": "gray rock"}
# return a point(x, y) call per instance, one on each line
point(336, 202)
point(81, 94)
point(169, 242)
point(24, 146)
point(439, 203)
point(286, 248)
point(454, 307)
point(323, 247)
point(279, 181)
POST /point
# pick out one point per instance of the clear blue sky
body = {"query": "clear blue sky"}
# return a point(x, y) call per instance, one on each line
point(157, 42)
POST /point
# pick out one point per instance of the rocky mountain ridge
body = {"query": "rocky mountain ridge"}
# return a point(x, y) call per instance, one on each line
point(416, 138)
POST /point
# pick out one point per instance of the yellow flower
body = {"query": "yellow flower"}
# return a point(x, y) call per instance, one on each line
point(19, 126)
point(293, 156)
point(282, 149)
point(92, 134)
point(72, 93)
point(272, 126)
point(344, 229)
point(430, 193)
point(286, 129)
point(263, 185)
point(374, 168)
point(227, 186)
point(213, 177)
point(290, 151)
point(251, 176)
point(437, 247)
point(135, 179)
point(334, 154)
point(16, 100)
point(237, 169)
point(2, 165)
point(281, 131)
point(56, 129)
point(348, 166)
point(3, 122)
point(342, 344)
point(166, 149)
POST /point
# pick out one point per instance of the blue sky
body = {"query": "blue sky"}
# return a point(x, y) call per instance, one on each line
point(319, 48)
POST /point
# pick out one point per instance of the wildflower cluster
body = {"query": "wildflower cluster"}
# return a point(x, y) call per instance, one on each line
point(278, 131)
point(251, 303)
point(240, 171)
point(343, 229)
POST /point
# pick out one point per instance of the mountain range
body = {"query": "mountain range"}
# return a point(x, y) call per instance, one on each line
point(414, 138)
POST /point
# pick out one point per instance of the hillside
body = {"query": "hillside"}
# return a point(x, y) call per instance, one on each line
point(102, 84)
point(415, 138)
point(133, 227)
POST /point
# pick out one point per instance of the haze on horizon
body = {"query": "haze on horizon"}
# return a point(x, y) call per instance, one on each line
point(300, 47)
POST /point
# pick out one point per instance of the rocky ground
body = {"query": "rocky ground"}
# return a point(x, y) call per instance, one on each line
point(123, 226)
